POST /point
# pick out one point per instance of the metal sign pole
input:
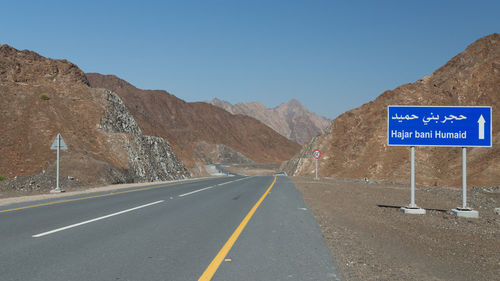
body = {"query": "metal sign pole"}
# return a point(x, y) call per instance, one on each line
point(316, 155)
point(316, 178)
point(464, 178)
point(465, 211)
point(58, 145)
point(58, 148)
point(412, 178)
point(412, 208)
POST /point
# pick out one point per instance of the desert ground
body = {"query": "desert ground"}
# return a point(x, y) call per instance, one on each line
point(371, 239)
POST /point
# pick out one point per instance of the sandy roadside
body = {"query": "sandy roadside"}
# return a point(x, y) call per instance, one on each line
point(371, 239)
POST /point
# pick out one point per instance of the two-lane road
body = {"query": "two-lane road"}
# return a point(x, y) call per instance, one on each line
point(168, 232)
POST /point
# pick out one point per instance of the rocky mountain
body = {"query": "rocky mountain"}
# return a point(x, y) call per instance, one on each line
point(200, 133)
point(41, 97)
point(355, 144)
point(292, 119)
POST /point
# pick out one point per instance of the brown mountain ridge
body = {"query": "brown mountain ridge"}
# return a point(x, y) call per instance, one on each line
point(41, 97)
point(355, 144)
point(113, 137)
point(197, 130)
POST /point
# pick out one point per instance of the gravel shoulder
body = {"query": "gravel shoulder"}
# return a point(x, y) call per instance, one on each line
point(371, 239)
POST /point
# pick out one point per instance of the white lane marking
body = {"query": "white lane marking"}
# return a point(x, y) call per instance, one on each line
point(231, 181)
point(96, 219)
point(189, 193)
point(205, 188)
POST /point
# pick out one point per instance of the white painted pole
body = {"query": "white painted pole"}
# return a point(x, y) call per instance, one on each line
point(316, 178)
point(464, 178)
point(58, 148)
point(412, 178)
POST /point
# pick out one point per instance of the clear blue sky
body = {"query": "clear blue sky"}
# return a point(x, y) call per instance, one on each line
point(330, 55)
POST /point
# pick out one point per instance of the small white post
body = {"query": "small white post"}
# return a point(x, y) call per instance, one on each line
point(464, 178)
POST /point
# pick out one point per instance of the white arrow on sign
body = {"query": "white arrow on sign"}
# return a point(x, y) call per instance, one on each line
point(481, 122)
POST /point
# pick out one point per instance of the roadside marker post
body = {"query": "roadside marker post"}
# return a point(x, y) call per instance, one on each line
point(447, 126)
point(316, 155)
point(57, 145)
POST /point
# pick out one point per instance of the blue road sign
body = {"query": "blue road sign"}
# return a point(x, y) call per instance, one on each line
point(462, 126)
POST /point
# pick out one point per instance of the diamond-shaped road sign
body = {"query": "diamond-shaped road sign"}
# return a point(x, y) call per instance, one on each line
point(62, 144)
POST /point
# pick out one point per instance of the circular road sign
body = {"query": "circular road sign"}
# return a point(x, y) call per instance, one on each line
point(316, 154)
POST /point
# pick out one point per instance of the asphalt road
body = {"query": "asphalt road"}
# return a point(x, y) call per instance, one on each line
point(167, 232)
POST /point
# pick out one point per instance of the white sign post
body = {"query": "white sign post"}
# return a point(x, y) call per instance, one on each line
point(316, 155)
point(58, 144)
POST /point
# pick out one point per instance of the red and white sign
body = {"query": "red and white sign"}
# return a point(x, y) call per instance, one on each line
point(316, 154)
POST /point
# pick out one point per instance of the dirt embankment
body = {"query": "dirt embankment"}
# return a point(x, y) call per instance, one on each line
point(371, 239)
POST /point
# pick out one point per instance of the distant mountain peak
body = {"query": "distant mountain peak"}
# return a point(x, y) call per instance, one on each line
point(291, 119)
point(295, 102)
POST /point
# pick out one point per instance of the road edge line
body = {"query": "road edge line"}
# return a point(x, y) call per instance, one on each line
point(216, 262)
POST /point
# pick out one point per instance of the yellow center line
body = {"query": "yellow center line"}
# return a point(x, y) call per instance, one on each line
point(91, 197)
point(214, 265)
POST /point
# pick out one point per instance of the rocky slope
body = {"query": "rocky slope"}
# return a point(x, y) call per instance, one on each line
point(355, 144)
point(292, 119)
point(41, 97)
point(150, 158)
point(200, 133)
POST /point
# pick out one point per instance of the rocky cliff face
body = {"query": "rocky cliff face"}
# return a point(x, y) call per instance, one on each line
point(199, 133)
point(150, 158)
point(292, 120)
point(355, 146)
point(42, 97)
